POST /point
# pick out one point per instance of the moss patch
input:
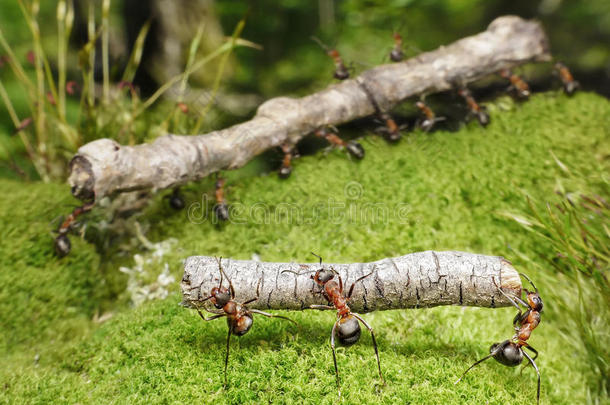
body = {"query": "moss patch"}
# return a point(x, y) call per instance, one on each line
point(431, 191)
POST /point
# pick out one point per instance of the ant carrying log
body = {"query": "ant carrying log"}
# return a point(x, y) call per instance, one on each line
point(517, 84)
point(430, 118)
point(221, 209)
point(511, 352)
point(569, 84)
point(239, 316)
point(474, 108)
point(330, 134)
point(286, 167)
point(341, 71)
point(347, 326)
point(62, 242)
point(391, 130)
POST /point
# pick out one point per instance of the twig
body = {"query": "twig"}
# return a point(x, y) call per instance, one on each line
point(104, 167)
point(417, 280)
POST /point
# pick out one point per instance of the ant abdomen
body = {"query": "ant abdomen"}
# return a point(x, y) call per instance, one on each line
point(355, 149)
point(241, 326)
point(509, 354)
point(62, 245)
point(348, 331)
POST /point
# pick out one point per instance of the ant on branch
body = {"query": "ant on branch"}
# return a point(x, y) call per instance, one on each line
point(430, 117)
point(475, 109)
point(286, 167)
point(341, 71)
point(221, 209)
point(569, 84)
point(62, 242)
point(391, 130)
point(511, 352)
point(330, 134)
point(520, 87)
point(397, 54)
point(347, 327)
point(239, 316)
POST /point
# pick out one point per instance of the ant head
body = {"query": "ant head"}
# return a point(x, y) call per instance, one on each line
point(322, 276)
point(348, 330)
point(507, 353)
point(533, 298)
point(241, 325)
point(333, 53)
point(220, 297)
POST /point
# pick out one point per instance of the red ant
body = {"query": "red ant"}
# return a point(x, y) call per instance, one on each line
point(62, 242)
point(430, 117)
point(391, 130)
point(569, 84)
point(286, 168)
point(510, 352)
point(354, 148)
point(521, 88)
point(397, 54)
point(475, 109)
point(347, 327)
point(341, 71)
point(221, 209)
point(239, 316)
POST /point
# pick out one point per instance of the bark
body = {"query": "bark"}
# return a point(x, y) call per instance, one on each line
point(417, 280)
point(104, 167)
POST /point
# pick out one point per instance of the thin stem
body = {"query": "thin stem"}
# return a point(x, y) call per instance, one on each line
point(105, 61)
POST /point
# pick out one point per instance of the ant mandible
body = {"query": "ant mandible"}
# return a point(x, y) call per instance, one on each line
point(239, 316)
point(510, 352)
point(569, 84)
point(347, 327)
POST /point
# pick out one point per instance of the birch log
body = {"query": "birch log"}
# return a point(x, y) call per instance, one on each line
point(104, 167)
point(417, 280)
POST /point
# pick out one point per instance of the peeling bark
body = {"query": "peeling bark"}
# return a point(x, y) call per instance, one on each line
point(417, 280)
point(104, 167)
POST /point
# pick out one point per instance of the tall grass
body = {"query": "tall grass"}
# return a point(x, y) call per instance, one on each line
point(576, 225)
point(112, 112)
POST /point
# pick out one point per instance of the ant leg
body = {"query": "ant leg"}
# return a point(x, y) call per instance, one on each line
point(321, 307)
point(351, 289)
point(227, 356)
point(537, 372)
point(332, 346)
point(268, 315)
point(374, 344)
point(211, 318)
point(500, 347)
point(533, 358)
point(530, 281)
point(512, 299)
point(222, 272)
point(258, 286)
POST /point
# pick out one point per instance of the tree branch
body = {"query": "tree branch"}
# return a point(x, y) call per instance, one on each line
point(417, 280)
point(104, 167)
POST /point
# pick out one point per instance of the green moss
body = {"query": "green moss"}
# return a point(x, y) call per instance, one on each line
point(450, 189)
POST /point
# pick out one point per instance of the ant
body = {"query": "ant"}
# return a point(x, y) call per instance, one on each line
point(221, 209)
point(341, 71)
point(397, 54)
point(286, 168)
point(347, 327)
point(239, 316)
point(354, 148)
point(569, 84)
point(475, 109)
point(430, 117)
point(510, 352)
point(62, 242)
point(391, 130)
point(521, 88)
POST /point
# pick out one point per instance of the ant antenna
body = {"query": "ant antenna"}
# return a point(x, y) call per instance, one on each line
point(219, 260)
point(319, 257)
point(319, 42)
point(530, 281)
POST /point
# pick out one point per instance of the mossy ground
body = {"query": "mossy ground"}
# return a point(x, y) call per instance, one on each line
point(445, 190)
